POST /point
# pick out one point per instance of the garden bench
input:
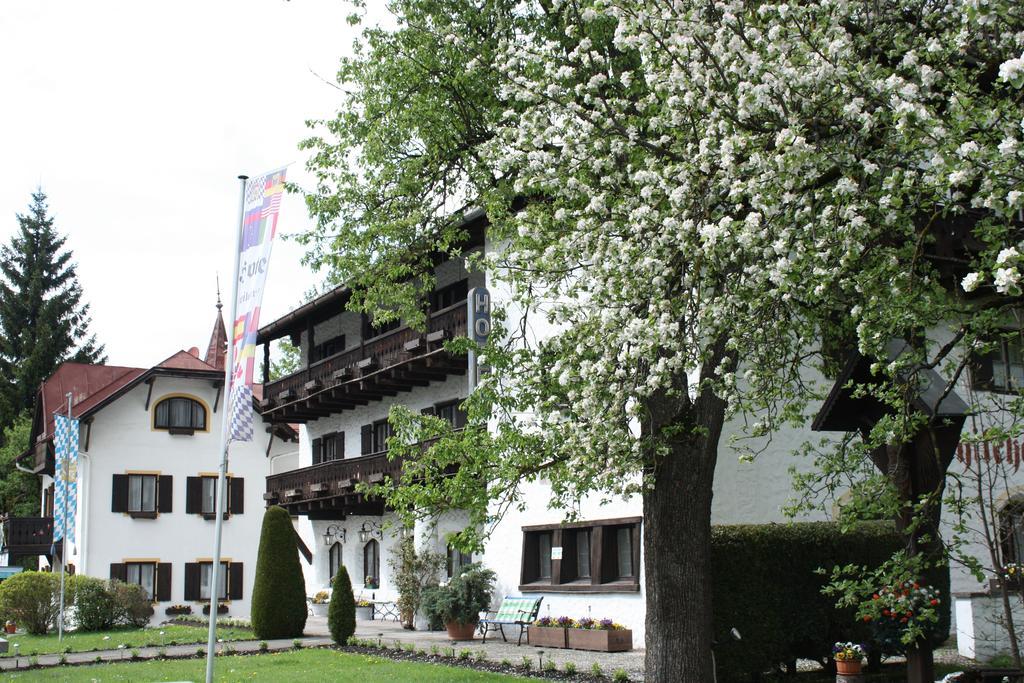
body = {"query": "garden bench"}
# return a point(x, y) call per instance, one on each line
point(513, 611)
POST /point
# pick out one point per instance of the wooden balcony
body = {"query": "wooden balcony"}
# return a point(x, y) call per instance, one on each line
point(396, 361)
point(327, 490)
point(27, 536)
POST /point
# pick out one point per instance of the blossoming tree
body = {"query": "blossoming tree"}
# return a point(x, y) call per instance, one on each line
point(693, 196)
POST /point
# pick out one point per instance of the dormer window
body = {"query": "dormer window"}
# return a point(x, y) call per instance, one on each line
point(180, 415)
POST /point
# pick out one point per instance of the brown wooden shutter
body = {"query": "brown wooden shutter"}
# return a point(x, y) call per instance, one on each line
point(318, 445)
point(236, 495)
point(119, 571)
point(235, 580)
point(609, 554)
point(569, 564)
point(460, 416)
point(531, 558)
point(119, 493)
point(194, 495)
point(981, 371)
point(192, 577)
point(597, 546)
point(163, 581)
point(165, 489)
point(366, 434)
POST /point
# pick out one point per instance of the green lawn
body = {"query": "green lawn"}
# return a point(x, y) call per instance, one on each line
point(295, 665)
point(131, 637)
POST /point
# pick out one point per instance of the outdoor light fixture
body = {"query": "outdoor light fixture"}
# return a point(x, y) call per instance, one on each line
point(370, 530)
point(334, 532)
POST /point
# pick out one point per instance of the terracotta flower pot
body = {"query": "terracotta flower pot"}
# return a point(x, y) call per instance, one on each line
point(10, 628)
point(848, 666)
point(458, 631)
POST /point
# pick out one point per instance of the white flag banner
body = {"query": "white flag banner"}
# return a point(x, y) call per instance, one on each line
point(65, 480)
point(259, 225)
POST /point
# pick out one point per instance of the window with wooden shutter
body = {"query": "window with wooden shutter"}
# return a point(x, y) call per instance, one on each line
point(117, 571)
point(235, 574)
point(194, 495)
point(366, 438)
point(317, 451)
point(142, 574)
point(165, 493)
point(236, 495)
point(596, 557)
point(163, 581)
point(119, 493)
point(192, 577)
point(1002, 369)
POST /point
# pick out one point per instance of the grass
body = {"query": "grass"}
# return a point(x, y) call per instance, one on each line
point(295, 665)
point(110, 640)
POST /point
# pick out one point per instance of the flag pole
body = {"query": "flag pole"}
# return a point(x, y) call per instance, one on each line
point(225, 422)
point(64, 527)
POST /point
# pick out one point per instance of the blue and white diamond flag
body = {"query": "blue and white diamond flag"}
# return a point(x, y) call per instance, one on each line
point(65, 485)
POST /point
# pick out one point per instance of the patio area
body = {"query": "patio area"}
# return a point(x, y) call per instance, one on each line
point(390, 632)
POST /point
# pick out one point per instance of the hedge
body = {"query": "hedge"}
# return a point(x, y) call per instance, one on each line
point(765, 584)
point(279, 592)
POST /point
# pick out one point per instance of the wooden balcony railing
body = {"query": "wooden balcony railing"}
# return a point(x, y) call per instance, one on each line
point(378, 367)
point(330, 486)
point(27, 535)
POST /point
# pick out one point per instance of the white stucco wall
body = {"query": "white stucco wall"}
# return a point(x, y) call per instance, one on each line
point(122, 440)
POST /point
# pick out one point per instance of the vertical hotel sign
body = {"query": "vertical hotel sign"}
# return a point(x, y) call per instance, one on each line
point(65, 484)
point(259, 225)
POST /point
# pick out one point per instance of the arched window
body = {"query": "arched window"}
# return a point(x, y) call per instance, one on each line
point(371, 564)
point(180, 413)
point(334, 560)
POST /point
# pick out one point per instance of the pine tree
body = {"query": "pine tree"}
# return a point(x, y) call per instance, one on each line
point(43, 320)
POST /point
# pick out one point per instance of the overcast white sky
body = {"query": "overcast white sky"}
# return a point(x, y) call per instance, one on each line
point(136, 118)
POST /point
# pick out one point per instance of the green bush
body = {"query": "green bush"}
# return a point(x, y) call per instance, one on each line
point(341, 613)
point(32, 600)
point(765, 583)
point(131, 604)
point(279, 592)
point(95, 608)
point(429, 599)
point(462, 600)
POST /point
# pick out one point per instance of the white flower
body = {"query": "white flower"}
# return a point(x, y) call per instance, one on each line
point(1008, 146)
point(1013, 197)
point(967, 148)
point(1007, 254)
point(971, 282)
point(1006, 279)
point(1012, 71)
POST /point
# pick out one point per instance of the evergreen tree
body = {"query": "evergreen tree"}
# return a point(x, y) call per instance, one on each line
point(341, 614)
point(279, 593)
point(19, 491)
point(43, 320)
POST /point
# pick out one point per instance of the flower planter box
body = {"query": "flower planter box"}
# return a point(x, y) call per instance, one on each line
point(178, 611)
point(319, 608)
point(364, 613)
point(221, 609)
point(600, 641)
point(546, 636)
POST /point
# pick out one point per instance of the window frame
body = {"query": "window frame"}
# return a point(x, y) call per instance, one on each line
point(983, 366)
point(227, 579)
point(459, 288)
point(604, 557)
point(455, 561)
point(143, 477)
point(331, 568)
point(177, 429)
point(153, 565)
point(379, 443)
point(373, 544)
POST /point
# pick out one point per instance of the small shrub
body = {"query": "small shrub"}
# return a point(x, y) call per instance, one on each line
point(97, 659)
point(464, 655)
point(620, 676)
point(297, 644)
point(481, 655)
point(32, 600)
point(527, 663)
point(264, 647)
point(462, 600)
point(434, 650)
point(279, 592)
point(595, 670)
point(200, 652)
point(506, 663)
point(63, 659)
point(421, 652)
point(570, 668)
point(550, 665)
point(135, 653)
point(132, 605)
point(95, 606)
point(409, 647)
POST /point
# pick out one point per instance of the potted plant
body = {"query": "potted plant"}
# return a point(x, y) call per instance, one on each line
point(600, 635)
point(548, 632)
point(319, 603)
point(848, 657)
point(364, 610)
point(371, 583)
point(178, 610)
point(458, 605)
point(10, 626)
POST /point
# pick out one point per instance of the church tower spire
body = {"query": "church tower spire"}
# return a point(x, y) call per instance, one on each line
point(217, 349)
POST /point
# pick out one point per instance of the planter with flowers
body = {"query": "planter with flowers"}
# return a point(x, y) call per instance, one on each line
point(849, 657)
point(221, 608)
point(178, 610)
point(548, 632)
point(364, 610)
point(901, 615)
point(599, 635)
point(319, 603)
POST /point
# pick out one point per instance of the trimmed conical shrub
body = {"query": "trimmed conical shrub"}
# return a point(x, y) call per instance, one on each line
point(341, 614)
point(279, 594)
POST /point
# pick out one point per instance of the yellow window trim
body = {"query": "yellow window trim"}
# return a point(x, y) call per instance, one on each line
point(206, 406)
point(141, 560)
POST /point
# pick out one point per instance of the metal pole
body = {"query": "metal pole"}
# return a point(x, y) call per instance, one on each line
point(64, 532)
point(471, 359)
point(225, 423)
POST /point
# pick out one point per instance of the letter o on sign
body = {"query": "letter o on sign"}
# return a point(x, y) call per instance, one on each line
point(479, 303)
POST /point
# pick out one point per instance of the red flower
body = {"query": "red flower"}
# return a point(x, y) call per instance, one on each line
point(867, 617)
point(934, 601)
point(875, 596)
point(903, 620)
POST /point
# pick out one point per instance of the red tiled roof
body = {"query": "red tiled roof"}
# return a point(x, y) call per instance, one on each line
point(88, 385)
point(183, 360)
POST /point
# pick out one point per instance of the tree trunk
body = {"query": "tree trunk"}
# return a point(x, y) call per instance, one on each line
point(677, 542)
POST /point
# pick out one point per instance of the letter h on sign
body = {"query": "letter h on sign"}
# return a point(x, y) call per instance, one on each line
point(479, 314)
